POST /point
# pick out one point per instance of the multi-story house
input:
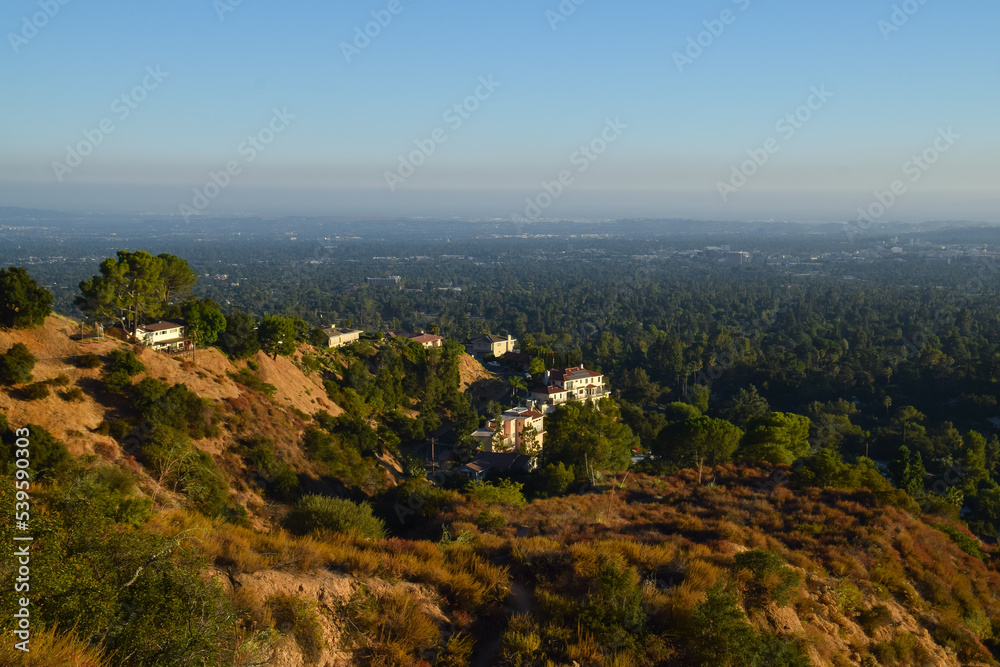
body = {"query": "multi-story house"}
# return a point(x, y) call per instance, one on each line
point(568, 384)
point(164, 336)
point(487, 345)
point(520, 429)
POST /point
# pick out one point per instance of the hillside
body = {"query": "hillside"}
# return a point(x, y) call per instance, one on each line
point(747, 568)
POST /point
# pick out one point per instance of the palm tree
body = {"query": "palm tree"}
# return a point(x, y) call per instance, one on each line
point(516, 383)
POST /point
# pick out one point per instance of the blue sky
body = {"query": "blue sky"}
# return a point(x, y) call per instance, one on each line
point(891, 93)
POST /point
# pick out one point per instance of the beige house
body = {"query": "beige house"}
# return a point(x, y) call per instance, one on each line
point(569, 384)
point(429, 341)
point(164, 336)
point(340, 338)
point(521, 429)
point(483, 346)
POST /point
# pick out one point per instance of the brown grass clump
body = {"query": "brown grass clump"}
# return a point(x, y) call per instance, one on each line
point(390, 629)
point(48, 648)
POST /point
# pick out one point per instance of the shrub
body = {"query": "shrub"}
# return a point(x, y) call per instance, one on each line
point(299, 618)
point(115, 383)
point(89, 360)
point(176, 406)
point(16, 365)
point(504, 492)
point(49, 457)
point(126, 362)
point(966, 543)
point(36, 391)
point(873, 619)
point(60, 380)
point(23, 303)
point(719, 634)
point(119, 428)
point(74, 395)
point(767, 578)
point(246, 378)
point(613, 612)
point(280, 479)
point(315, 512)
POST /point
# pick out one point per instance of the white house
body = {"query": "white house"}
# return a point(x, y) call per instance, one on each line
point(165, 336)
point(340, 338)
point(569, 384)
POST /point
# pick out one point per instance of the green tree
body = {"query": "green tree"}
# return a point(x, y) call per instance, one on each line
point(127, 288)
point(719, 634)
point(744, 406)
point(529, 441)
point(277, 335)
point(907, 471)
point(585, 436)
point(205, 321)
point(778, 437)
point(698, 395)
point(23, 304)
point(16, 365)
point(239, 339)
point(177, 279)
point(700, 441)
point(678, 412)
point(554, 480)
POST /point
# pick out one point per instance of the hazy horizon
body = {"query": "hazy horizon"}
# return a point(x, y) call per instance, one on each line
point(735, 111)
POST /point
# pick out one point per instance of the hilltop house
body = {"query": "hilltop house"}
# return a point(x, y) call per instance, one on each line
point(164, 336)
point(569, 384)
point(429, 341)
point(512, 430)
point(487, 345)
point(340, 338)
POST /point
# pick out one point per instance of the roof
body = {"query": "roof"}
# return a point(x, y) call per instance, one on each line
point(490, 338)
point(525, 413)
point(579, 373)
point(160, 326)
point(559, 375)
point(424, 338)
point(341, 332)
point(549, 390)
point(497, 460)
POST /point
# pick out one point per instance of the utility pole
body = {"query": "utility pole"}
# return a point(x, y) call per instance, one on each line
point(433, 458)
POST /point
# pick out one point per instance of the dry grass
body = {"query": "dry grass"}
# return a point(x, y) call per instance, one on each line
point(49, 648)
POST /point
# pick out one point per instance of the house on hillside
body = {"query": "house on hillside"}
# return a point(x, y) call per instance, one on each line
point(164, 336)
point(429, 341)
point(521, 429)
point(569, 384)
point(485, 462)
point(487, 345)
point(517, 360)
point(341, 337)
